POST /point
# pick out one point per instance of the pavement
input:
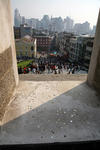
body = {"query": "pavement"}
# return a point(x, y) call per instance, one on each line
point(51, 111)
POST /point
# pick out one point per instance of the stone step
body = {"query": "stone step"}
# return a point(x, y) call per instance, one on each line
point(53, 77)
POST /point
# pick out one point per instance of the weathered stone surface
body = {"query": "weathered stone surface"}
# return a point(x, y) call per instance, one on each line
point(5, 61)
point(94, 70)
point(74, 114)
point(7, 85)
point(8, 65)
point(52, 77)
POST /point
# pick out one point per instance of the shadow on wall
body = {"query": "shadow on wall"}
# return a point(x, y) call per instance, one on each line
point(72, 116)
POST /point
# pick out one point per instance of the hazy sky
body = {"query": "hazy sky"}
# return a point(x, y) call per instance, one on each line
point(79, 10)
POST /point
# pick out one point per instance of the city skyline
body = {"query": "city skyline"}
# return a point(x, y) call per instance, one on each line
point(54, 24)
point(88, 10)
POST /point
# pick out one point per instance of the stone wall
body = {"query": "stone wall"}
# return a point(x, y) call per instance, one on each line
point(94, 70)
point(8, 66)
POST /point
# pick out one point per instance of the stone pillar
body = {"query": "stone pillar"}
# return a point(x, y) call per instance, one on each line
point(94, 70)
point(8, 65)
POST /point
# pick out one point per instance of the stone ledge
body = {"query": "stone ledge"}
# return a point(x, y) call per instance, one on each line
point(49, 77)
point(7, 85)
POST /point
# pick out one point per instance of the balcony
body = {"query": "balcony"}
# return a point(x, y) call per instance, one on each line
point(45, 110)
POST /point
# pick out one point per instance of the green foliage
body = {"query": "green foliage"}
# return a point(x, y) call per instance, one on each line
point(24, 63)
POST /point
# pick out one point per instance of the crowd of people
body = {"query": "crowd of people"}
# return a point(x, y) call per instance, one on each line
point(46, 67)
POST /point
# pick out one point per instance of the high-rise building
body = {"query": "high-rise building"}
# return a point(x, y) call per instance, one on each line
point(77, 28)
point(82, 28)
point(57, 24)
point(17, 18)
point(45, 22)
point(68, 24)
point(32, 22)
point(86, 27)
point(93, 30)
point(23, 20)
